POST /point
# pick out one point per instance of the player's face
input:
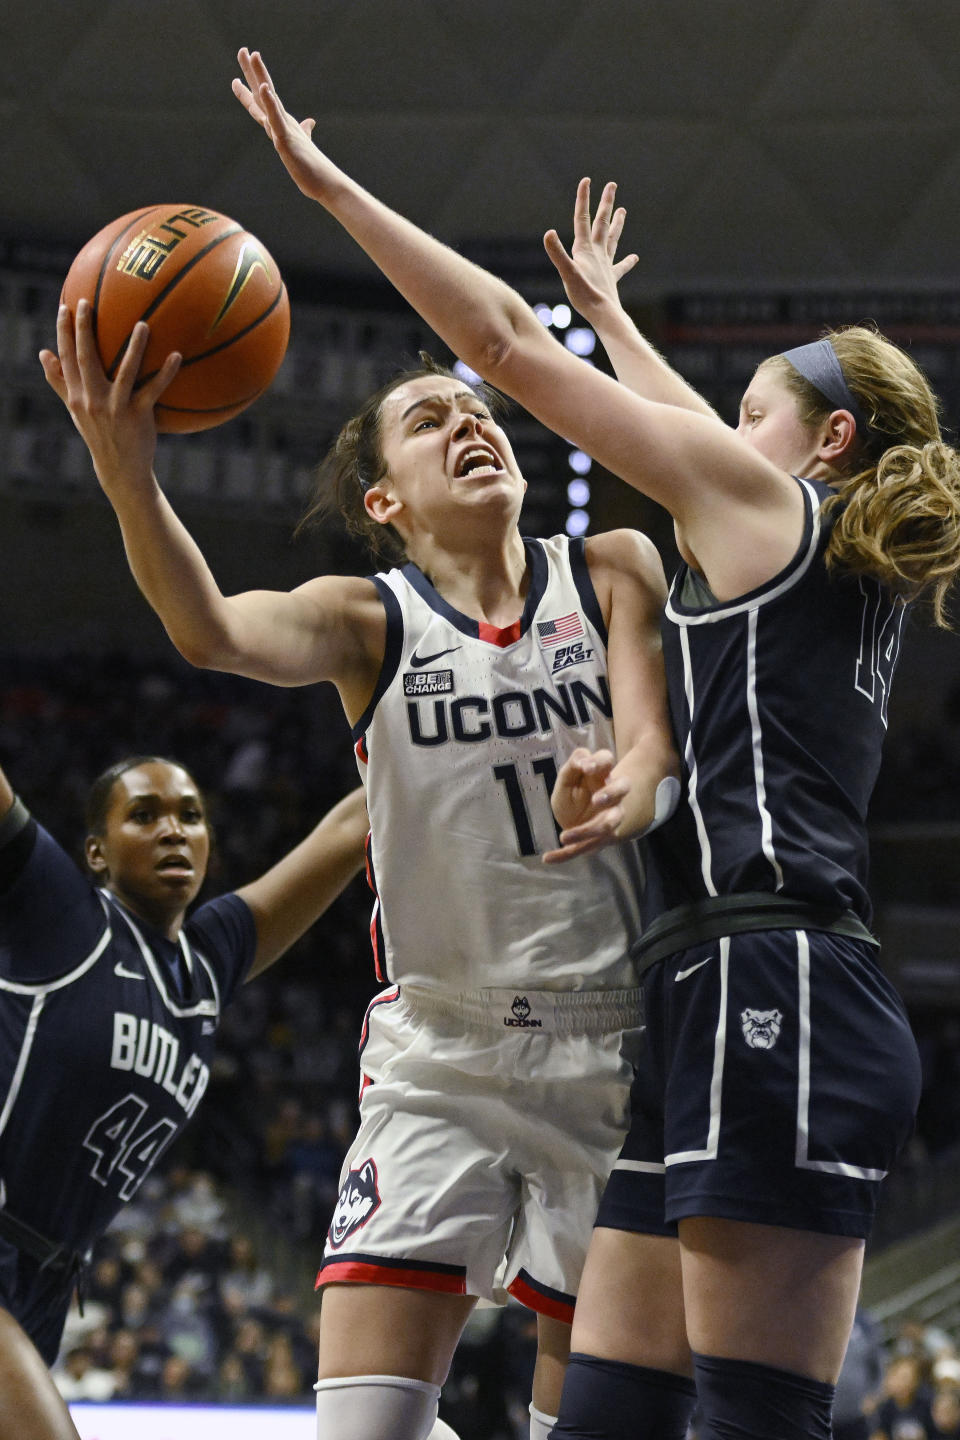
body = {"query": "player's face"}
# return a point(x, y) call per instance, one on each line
point(770, 422)
point(445, 454)
point(156, 842)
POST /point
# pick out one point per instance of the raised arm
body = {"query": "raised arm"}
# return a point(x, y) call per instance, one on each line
point(740, 515)
point(329, 629)
point(591, 273)
point(601, 798)
point(294, 893)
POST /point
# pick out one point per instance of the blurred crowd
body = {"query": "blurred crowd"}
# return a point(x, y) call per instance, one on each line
point(908, 1389)
point(192, 1295)
point(177, 1306)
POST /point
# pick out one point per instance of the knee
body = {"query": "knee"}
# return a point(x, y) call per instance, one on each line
point(612, 1399)
point(377, 1407)
point(740, 1400)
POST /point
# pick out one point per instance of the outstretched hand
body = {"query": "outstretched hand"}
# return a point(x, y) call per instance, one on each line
point(591, 271)
point(307, 166)
point(114, 417)
point(587, 805)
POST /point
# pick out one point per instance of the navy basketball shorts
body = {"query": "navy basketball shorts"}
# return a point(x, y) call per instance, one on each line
point(778, 1082)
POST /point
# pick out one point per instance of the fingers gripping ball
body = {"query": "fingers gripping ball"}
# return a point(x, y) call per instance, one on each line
point(206, 287)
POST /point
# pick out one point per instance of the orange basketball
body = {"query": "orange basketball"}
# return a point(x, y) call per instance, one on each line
point(206, 287)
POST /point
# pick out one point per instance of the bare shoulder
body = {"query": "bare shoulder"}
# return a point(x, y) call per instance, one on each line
point(619, 557)
point(351, 602)
point(343, 589)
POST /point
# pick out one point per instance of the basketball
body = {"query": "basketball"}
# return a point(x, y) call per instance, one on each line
point(206, 287)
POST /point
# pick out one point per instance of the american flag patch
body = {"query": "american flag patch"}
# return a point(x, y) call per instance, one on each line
point(554, 632)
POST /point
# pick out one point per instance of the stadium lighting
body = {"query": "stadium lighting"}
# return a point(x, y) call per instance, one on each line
point(581, 340)
point(577, 522)
point(544, 314)
point(561, 316)
point(578, 493)
point(465, 373)
point(579, 462)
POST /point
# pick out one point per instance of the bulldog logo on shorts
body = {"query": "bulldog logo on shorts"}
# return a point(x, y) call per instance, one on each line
point(761, 1028)
point(359, 1197)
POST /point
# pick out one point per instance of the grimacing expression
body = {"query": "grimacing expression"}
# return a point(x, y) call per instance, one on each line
point(156, 842)
point(442, 449)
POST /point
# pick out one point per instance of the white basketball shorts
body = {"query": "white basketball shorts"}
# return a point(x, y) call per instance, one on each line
point(488, 1125)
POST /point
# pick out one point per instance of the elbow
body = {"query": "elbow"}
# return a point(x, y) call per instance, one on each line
point(196, 654)
point(204, 652)
point(502, 343)
point(490, 354)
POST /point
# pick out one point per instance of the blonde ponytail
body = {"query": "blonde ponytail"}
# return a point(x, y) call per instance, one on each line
point(897, 517)
point(899, 521)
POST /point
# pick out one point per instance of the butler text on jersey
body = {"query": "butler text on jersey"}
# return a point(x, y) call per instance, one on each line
point(149, 1050)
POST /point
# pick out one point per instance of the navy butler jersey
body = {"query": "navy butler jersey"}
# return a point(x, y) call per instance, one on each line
point(106, 1036)
point(779, 704)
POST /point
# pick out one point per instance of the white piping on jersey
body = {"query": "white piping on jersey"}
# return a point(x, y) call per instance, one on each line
point(43, 987)
point(750, 608)
point(644, 1167)
point(202, 1007)
point(709, 1152)
point(691, 763)
point(737, 607)
point(756, 735)
point(873, 649)
point(26, 1046)
point(803, 1161)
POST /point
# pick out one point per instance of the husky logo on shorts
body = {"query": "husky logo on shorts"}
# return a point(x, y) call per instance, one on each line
point(520, 1020)
point(359, 1197)
point(761, 1028)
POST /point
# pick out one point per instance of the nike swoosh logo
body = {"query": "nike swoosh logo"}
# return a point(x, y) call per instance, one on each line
point(418, 661)
point(125, 974)
point(682, 974)
point(248, 260)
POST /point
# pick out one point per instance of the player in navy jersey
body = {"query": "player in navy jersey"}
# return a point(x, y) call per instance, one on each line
point(110, 999)
point(497, 1061)
point(780, 1076)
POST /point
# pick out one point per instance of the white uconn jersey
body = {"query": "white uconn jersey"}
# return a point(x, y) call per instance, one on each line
point(459, 750)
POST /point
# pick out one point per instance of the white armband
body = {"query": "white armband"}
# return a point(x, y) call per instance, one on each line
point(665, 802)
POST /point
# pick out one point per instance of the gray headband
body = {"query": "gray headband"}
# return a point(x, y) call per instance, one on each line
point(818, 363)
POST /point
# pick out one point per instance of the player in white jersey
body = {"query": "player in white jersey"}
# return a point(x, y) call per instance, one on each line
point(496, 1071)
point(467, 731)
point(877, 502)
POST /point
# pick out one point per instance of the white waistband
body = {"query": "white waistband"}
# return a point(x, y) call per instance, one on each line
point(561, 1012)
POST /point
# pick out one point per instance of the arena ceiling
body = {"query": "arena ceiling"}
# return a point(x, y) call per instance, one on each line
point(757, 143)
